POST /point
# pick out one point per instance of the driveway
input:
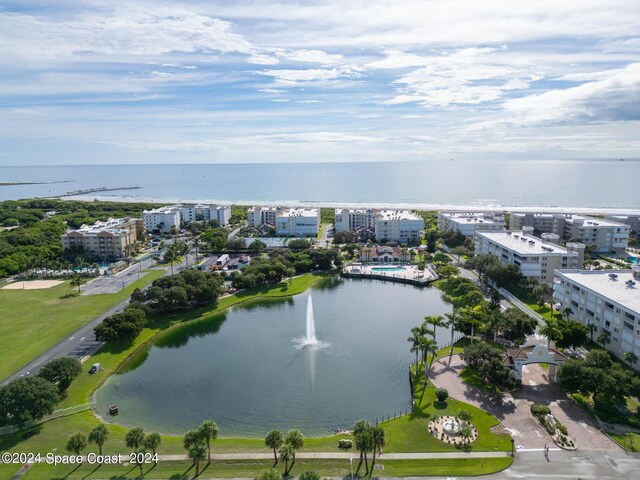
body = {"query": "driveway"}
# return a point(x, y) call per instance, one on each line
point(514, 411)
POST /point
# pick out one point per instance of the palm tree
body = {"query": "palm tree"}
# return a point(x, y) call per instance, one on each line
point(359, 428)
point(466, 434)
point(197, 243)
point(468, 317)
point(77, 281)
point(464, 416)
point(551, 330)
point(296, 441)
point(197, 453)
point(379, 441)
point(429, 347)
point(364, 443)
point(99, 435)
point(274, 440)
point(566, 312)
point(414, 339)
point(453, 319)
point(286, 454)
point(76, 443)
point(603, 338)
point(191, 438)
point(134, 438)
point(592, 327)
point(424, 331)
point(152, 442)
point(435, 321)
point(631, 358)
point(208, 431)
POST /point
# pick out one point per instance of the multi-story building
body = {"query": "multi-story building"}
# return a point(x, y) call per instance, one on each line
point(162, 219)
point(467, 223)
point(401, 226)
point(536, 258)
point(191, 213)
point(604, 235)
point(257, 216)
point(633, 220)
point(297, 222)
point(608, 299)
point(106, 240)
point(351, 219)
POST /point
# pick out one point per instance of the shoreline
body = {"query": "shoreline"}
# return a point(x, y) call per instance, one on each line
point(378, 205)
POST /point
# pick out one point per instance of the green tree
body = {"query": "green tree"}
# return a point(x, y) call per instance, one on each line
point(286, 455)
point(453, 319)
point(631, 358)
point(190, 439)
point(363, 435)
point(134, 438)
point(152, 442)
point(379, 440)
point(309, 475)
point(551, 329)
point(414, 339)
point(197, 453)
point(61, 371)
point(76, 443)
point(442, 394)
point(517, 325)
point(77, 281)
point(208, 430)
point(572, 334)
point(269, 474)
point(27, 399)
point(274, 441)
point(99, 435)
point(464, 416)
point(296, 441)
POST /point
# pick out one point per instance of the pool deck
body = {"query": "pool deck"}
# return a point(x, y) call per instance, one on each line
point(410, 274)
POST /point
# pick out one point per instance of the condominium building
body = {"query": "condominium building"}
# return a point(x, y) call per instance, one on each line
point(191, 213)
point(467, 223)
point(609, 299)
point(536, 258)
point(633, 220)
point(257, 216)
point(402, 226)
point(604, 235)
point(162, 219)
point(351, 219)
point(297, 222)
point(106, 240)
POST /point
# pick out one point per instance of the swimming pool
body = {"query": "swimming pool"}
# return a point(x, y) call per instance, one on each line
point(634, 260)
point(388, 269)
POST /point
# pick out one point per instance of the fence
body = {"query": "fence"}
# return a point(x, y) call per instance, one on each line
point(57, 414)
point(521, 305)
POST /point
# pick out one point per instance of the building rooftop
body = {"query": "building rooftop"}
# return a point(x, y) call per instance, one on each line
point(524, 244)
point(570, 217)
point(167, 209)
point(299, 212)
point(397, 215)
point(339, 211)
point(604, 283)
point(472, 217)
point(112, 225)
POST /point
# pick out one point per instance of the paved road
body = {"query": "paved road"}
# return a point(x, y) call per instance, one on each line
point(82, 342)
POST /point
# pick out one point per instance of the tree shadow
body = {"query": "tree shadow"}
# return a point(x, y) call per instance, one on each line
point(11, 440)
point(73, 471)
point(92, 472)
point(69, 295)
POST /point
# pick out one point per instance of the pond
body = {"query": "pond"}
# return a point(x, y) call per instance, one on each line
point(245, 370)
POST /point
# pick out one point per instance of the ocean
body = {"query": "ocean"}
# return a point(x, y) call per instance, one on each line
point(545, 184)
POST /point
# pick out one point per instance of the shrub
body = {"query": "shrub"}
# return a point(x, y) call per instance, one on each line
point(345, 444)
point(562, 428)
point(442, 394)
point(540, 409)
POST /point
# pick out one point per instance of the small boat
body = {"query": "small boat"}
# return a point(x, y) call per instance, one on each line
point(113, 410)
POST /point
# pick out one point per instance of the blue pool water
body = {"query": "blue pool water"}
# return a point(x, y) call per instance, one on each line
point(387, 269)
point(634, 260)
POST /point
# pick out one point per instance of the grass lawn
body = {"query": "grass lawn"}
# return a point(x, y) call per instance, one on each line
point(250, 468)
point(631, 441)
point(524, 296)
point(35, 320)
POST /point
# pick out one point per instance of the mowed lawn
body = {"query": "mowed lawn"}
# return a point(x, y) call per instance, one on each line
point(32, 321)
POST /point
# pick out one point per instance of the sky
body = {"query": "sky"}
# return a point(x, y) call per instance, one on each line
point(107, 82)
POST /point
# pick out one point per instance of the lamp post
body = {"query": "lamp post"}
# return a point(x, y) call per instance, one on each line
point(351, 463)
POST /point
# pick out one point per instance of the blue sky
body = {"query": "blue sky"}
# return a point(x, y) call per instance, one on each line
point(170, 82)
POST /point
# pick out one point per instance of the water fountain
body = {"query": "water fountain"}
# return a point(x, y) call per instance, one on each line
point(310, 337)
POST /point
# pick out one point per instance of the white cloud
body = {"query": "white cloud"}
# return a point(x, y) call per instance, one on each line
point(291, 77)
point(312, 56)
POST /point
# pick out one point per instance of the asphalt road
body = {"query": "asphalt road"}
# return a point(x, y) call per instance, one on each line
point(82, 342)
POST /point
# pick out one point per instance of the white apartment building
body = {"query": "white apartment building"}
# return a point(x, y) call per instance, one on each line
point(297, 222)
point(536, 258)
point(191, 213)
point(162, 219)
point(605, 235)
point(633, 220)
point(106, 240)
point(467, 223)
point(609, 299)
point(350, 219)
point(402, 226)
point(257, 216)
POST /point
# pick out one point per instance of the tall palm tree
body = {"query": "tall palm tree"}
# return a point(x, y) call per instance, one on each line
point(631, 358)
point(414, 339)
point(273, 440)
point(359, 428)
point(134, 438)
point(152, 442)
point(453, 319)
point(197, 453)
point(430, 347)
point(379, 441)
point(197, 243)
point(435, 321)
point(76, 443)
point(296, 441)
point(364, 443)
point(99, 435)
point(208, 430)
point(191, 438)
point(424, 332)
point(592, 327)
point(286, 454)
point(551, 330)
